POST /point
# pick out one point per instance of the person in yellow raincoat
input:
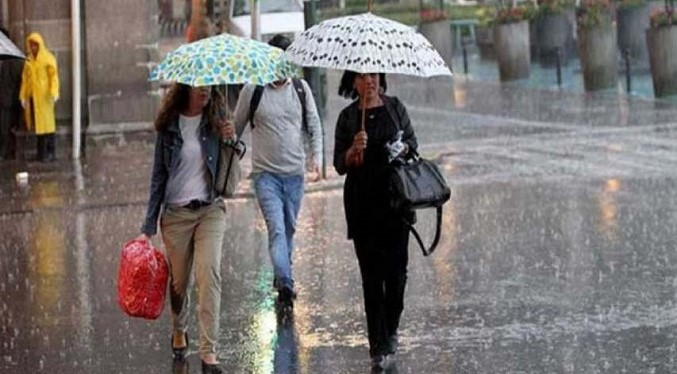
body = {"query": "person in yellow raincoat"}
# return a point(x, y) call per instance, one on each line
point(39, 92)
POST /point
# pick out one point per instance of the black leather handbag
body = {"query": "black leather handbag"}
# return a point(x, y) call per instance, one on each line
point(417, 183)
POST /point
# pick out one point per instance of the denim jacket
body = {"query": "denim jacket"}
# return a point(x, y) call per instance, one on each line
point(167, 152)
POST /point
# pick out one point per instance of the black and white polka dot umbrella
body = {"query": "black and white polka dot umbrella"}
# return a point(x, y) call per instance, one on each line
point(367, 43)
point(8, 49)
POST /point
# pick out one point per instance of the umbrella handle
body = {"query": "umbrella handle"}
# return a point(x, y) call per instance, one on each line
point(364, 109)
point(227, 103)
point(225, 113)
point(369, 4)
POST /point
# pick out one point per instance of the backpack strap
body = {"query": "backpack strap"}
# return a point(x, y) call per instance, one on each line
point(254, 103)
point(298, 87)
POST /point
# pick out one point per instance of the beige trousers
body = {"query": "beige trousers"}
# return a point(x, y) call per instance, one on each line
point(195, 237)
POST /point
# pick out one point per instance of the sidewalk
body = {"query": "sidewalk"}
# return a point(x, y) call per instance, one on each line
point(556, 255)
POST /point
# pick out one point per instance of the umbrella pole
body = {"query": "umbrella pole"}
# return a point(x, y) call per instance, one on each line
point(364, 109)
point(369, 3)
point(227, 102)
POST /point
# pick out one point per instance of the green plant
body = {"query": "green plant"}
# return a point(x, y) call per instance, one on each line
point(594, 13)
point(407, 14)
point(462, 11)
point(502, 13)
point(555, 6)
point(401, 12)
point(514, 14)
point(629, 3)
point(663, 17)
point(433, 15)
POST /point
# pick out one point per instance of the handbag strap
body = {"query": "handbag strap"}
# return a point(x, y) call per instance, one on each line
point(429, 251)
point(230, 162)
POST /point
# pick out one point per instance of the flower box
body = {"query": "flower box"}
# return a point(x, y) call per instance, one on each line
point(511, 43)
point(661, 40)
point(597, 46)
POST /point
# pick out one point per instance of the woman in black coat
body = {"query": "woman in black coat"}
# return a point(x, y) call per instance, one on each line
point(379, 235)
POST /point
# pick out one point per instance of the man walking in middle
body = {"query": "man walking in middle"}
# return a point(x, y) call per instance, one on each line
point(276, 112)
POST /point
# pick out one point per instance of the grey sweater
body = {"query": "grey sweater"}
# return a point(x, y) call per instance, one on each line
point(277, 136)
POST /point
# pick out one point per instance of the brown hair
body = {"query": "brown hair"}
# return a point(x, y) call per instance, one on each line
point(176, 101)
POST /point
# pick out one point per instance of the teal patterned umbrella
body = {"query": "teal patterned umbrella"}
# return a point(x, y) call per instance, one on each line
point(224, 59)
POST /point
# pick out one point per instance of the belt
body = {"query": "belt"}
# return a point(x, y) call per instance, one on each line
point(196, 204)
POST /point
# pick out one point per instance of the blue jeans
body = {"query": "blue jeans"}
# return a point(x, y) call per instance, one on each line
point(279, 198)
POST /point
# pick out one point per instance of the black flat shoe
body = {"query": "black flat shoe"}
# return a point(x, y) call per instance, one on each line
point(286, 297)
point(378, 363)
point(393, 343)
point(211, 368)
point(180, 352)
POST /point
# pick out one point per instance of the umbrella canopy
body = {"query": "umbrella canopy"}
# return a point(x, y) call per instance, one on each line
point(224, 59)
point(367, 43)
point(8, 49)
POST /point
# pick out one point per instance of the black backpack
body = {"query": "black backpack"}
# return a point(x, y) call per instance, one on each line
point(298, 87)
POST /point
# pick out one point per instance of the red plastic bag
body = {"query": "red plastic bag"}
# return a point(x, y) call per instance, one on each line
point(142, 280)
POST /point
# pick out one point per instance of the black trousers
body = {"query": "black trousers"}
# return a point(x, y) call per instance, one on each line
point(6, 115)
point(46, 145)
point(383, 256)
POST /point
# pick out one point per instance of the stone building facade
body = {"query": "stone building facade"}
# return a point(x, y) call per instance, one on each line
point(119, 46)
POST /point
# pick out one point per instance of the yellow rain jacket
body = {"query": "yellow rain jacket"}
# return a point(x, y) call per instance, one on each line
point(39, 87)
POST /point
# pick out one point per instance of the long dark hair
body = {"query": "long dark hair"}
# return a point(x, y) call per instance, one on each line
point(346, 88)
point(176, 101)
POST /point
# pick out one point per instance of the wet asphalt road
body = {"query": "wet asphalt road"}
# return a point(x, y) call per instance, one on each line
point(557, 253)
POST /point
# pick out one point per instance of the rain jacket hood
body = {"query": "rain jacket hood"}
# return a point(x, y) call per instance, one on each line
point(43, 53)
point(39, 87)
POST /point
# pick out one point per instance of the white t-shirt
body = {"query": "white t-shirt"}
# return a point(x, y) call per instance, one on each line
point(189, 182)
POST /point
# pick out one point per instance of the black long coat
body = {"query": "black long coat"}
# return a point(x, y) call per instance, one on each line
point(365, 190)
